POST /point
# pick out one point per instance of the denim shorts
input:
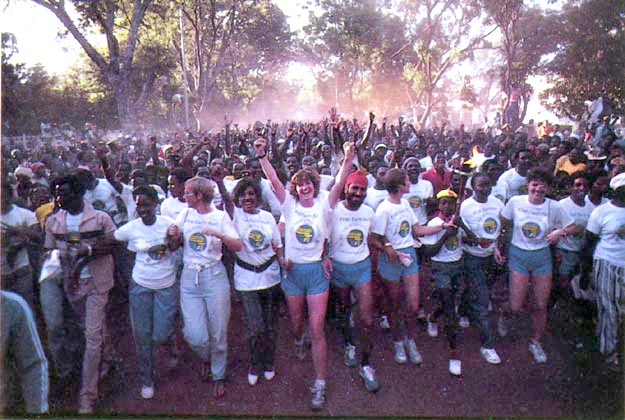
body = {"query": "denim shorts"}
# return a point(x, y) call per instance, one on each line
point(346, 275)
point(568, 262)
point(530, 262)
point(394, 271)
point(305, 279)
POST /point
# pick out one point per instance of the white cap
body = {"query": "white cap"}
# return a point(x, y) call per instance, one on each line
point(617, 181)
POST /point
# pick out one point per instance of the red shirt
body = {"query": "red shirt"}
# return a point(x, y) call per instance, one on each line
point(438, 182)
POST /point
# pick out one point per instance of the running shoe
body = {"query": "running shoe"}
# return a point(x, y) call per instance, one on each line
point(413, 353)
point(421, 314)
point(455, 367)
point(384, 324)
point(252, 379)
point(318, 397)
point(368, 375)
point(350, 356)
point(490, 355)
point(463, 322)
point(432, 328)
point(537, 351)
point(147, 392)
point(269, 374)
point(400, 352)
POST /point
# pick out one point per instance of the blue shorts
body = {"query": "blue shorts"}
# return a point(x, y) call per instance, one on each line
point(569, 262)
point(394, 271)
point(346, 275)
point(530, 262)
point(305, 279)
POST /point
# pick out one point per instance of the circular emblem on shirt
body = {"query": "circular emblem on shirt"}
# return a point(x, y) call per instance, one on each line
point(197, 241)
point(355, 237)
point(404, 229)
point(451, 243)
point(490, 225)
point(256, 239)
point(304, 234)
point(98, 205)
point(531, 230)
point(620, 232)
point(415, 201)
point(157, 252)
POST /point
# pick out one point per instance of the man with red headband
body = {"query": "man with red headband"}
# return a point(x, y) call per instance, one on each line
point(349, 262)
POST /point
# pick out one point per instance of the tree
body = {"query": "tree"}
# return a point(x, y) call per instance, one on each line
point(590, 58)
point(120, 22)
point(441, 33)
point(232, 47)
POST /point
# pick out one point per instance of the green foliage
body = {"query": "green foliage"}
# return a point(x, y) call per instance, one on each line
point(590, 58)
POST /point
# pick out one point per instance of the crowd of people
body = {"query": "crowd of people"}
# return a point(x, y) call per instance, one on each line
point(330, 214)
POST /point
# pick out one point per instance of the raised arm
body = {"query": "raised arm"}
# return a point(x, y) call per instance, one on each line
point(337, 188)
point(260, 147)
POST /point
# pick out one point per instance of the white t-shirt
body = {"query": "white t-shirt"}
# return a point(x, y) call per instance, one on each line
point(171, 207)
point(580, 215)
point(416, 197)
point(395, 221)
point(500, 191)
point(426, 163)
point(483, 220)
point(608, 222)
point(375, 197)
point(269, 197)
point(349, 230)
point(129, 202)
point(451, 250)
point(306, 229)
point(104, 197)
point(17, 216)
point(259, 234)
point(603, 201)
point(325, 182)
point(200, 248)
point(532, 223)
point(514, 181)
point(155, 265)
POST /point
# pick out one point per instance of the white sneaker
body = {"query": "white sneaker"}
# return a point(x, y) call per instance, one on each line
point(537, 351)
point(432, 328)
point(502, 327)
point(400, 352)
point(269, 374)
point(318, 397)
point(463, 322)
point(350, 356)
point(147, 392)
point(384, 324)
point(421, 314)
point(413, 353)
point(490, 355)
point(368, 375)
point(252, 379)
point(455, 367)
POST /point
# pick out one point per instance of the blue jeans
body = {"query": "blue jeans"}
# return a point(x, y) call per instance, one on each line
point(261, 319)
point(152, 317)
point(206, 313)
point(480, 277)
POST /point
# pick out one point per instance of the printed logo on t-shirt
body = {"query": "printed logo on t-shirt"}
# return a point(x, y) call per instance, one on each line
point(490, 225)
point(355, 238)
point(531, 230)
point(415, 201)
point(98, 205)
point(256, 239)
point(304, 234)
point(157, 252)
point(500, 197)
point(404, 229)
point(620, 232)
point(451, 243)
point(197, 241)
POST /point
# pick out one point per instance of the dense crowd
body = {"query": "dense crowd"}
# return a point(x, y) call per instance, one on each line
point(300, 214)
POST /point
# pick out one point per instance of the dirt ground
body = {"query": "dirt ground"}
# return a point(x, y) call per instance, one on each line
point(573, 384)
